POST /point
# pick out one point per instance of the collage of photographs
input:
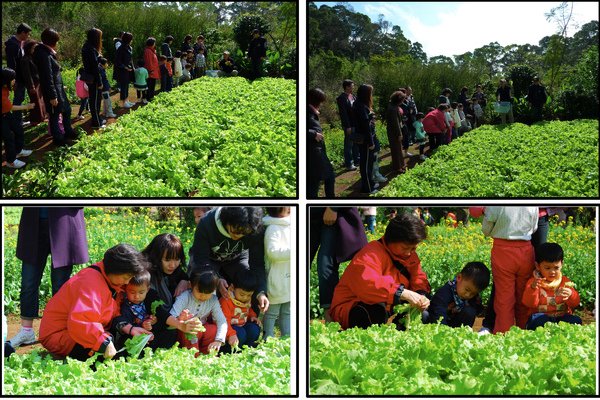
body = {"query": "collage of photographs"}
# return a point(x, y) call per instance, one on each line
point(300, 199)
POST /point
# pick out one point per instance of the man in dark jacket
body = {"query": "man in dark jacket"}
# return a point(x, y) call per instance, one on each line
point(319, 166)
point(536, 96)
point(257, 51)
point(14, 52)
point(344, 102)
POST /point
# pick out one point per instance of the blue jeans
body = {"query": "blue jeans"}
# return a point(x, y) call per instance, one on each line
point(541, 234)
point(370, 221)
point(247, 335)
point(351, 152)
point(279, 313)
point(540, 319)
point(327, 267)
point(85, 105)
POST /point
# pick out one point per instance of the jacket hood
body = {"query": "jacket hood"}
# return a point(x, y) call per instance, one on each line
point(285, 221)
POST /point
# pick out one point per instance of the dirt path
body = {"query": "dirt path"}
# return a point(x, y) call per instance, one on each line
point(42, 143)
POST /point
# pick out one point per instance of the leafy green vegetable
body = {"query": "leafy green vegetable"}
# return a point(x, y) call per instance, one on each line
point(155, 304)
point(135, 344)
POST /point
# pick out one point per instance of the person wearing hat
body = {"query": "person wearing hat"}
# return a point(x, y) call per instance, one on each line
point(536, 96)
point(227, 66)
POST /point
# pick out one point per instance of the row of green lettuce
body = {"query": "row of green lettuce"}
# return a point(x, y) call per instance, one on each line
point(548, 159)
point(207, 138)
point(446, 250)
point(261, 371)
point(559, 359)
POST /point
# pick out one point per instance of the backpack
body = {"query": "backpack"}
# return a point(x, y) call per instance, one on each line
point(61, 127)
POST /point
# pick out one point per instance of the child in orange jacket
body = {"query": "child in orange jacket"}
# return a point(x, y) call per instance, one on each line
point(242, 321)
point(550, 296)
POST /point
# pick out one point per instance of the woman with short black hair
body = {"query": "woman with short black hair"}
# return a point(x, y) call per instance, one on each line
point(90, 52)
point(124, 68)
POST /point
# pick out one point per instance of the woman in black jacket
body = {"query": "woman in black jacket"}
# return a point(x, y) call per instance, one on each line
point(319, 166)
point(124, 68)
point(55, 98)
point(365, 129)
point(90, 52)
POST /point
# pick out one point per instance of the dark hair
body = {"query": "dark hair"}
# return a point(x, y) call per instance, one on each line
point(169, 38)
point(165, 244)
point(347, 83)
point(420, 115)
point(200, 37)
point(406, 228)
point(94, 37)
point(430, 109)
point(446, 91)
point(187, 38)
point(7, 77)
point(454, 104)
point(550, 252)
point(245, 279)
point(162, 57)
point(150, 42)
point(102, 60)
point(29, 46)
point(205, 281)
point(23, 27)
point(443, 107)
point(256, 31)
point(364, 94)
point(397, 97)
point(275, 211)
point(478, 86)
point(178, 53)
point(316, 96)
point(81, 70)
point(127, 38)
point(124, 259)
point(249, 219)
point(142, 278)
point(50, 37)
point(464, 89)
point(140, 63)
point(188, 66)
point(478, 273)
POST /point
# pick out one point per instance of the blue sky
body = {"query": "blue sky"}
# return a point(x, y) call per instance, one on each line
point(452, 28)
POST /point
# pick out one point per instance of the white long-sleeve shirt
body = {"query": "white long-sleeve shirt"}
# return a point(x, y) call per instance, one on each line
point(511, 223)
point(202, 309)
point(278, 242)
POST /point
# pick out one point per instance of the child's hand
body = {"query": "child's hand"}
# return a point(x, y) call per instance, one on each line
point(255, 320)
point(536, 283)
point(565, 293)
point(153, 319)
point(233, 341)
point(147, 324)
point(185, 315)
point(214, 346)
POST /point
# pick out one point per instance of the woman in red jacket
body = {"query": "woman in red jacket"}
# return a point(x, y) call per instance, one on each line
point(384, 273)
point(151, 64)
point(434, 124)
point(78, 317)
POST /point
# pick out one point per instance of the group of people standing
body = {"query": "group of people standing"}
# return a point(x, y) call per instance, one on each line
point(239, 266)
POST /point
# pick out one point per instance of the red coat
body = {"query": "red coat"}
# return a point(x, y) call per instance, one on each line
point(80, 312)
point(151, 63)
point(435, 122)
point(372, 278)
point(235, 314)
point(543, 300)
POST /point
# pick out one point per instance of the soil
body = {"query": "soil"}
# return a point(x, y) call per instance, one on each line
point(42, 143)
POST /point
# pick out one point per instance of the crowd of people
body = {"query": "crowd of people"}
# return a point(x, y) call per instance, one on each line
point(528, 288)
point(34, 68)
point(235, 287)
point(405, 126)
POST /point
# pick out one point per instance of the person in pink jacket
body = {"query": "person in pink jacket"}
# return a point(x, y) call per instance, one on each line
point(434, 124)
point(151, 64)
point(78, 318)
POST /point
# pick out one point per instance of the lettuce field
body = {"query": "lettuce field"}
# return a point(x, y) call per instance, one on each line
point(550, 159)
point(208, 138)
point(260, 371)
point(559, 359)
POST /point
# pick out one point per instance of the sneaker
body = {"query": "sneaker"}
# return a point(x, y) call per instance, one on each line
point(111, 115)
point(376, 185)
point(25, 153)
point(351, 168)
point(22, 337)
point(484, 331)
point(129, 104)
point(80, 117)
point(409, 154)
point(145, 101)
point(380, 178)
point(16, 164)
point(423, 157)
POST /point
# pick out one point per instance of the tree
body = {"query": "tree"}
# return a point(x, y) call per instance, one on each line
point(243, 27)
point(490, 54)
point(521, 77)
point(441, 60)
point(417, 53)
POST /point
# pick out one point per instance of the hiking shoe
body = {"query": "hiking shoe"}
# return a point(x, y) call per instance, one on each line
point(22, 337)
point(380, 178)
point(351, 168)
point(25, 153)
point(16, 164)
point(484, 331)
point(423, 157)
point(111, 115)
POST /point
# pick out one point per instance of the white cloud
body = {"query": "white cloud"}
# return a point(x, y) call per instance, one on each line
point(472, 25)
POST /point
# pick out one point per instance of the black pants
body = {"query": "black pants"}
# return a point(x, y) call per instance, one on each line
point(364, 315)
point(151, 88)
point(466, 317)
point(367, 159)
point(12, 135)
point(95, 100)
point(435, 140)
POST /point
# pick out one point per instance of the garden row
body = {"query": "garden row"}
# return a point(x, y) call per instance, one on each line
point(207, 138)
point(437, 360)
point(446, 250)
point(549, 159)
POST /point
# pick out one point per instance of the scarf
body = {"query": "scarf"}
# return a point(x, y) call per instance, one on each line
point(236, 302)
point(459, 303)
point(553, 285)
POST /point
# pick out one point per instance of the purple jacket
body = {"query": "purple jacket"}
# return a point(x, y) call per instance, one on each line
point(68, 242)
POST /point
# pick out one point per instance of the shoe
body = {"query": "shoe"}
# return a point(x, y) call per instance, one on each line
point(99, 126)
point(22, 337)
point(25, 124)
point(409, 154)
point(376, 185)
point(423, 157)
point(380, 178)
point(103, 122)
point(484, 331)
point(25, 153)
point(145, 101)
point(80, 117)
point(128, 104)
point(111, 115)
point(351, 168)
point(16, 164)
